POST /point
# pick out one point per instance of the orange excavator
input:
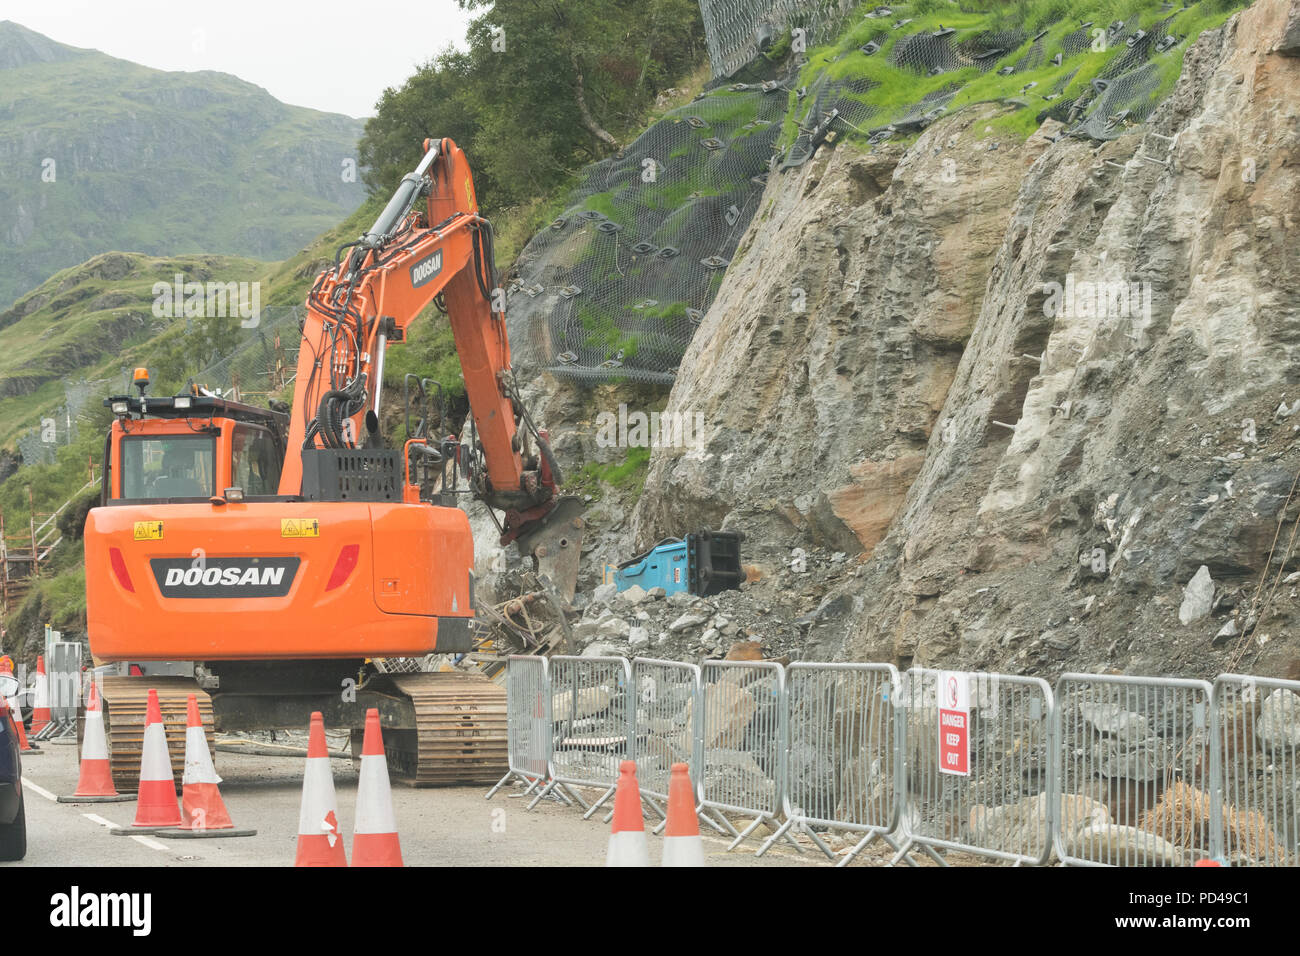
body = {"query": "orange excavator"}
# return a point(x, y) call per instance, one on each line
point(278, 552)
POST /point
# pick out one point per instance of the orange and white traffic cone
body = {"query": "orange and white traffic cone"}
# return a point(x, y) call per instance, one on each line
point(627, 844)
point(156, 803)
point(96, 774)
point(201, 805)
point(682, 843)
point(319, 840)
point(41, 703)
point(24, 746)
point(374, 837)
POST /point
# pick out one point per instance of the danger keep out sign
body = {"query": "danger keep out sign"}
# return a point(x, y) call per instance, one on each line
point(954, 723)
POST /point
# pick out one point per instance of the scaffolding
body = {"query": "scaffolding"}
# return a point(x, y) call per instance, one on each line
point(24, 550)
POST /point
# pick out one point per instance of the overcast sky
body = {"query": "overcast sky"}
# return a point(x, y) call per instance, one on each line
point(327, 54)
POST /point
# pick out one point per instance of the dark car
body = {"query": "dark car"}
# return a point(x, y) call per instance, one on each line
point(13, 822)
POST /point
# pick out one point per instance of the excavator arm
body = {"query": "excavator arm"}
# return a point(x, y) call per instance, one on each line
point(429, 245)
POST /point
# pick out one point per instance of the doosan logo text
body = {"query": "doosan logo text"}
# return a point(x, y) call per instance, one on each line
point(426, 269)
point(224, 577)
point(75, 909)
point(230, 577)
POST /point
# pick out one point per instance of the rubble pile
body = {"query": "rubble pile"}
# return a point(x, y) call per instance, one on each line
point(781, 613)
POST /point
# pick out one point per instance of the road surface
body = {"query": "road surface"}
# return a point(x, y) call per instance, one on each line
point(453, 826)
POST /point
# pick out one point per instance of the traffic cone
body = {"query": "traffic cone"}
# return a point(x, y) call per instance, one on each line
point(319, 840)
point(96, 777)
point(41, 704)
point(156, 805)
point(23, 745)
point(374, 837)
point(627, 845)
point(201, 805)
point(682, 843)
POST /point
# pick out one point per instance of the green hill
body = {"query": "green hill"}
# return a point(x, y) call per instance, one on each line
point(99, 153)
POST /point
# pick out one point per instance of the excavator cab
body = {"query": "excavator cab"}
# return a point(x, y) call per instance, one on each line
point(196, 555)
point(191, 451)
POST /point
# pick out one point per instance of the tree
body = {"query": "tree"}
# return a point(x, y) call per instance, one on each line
point(538, 92)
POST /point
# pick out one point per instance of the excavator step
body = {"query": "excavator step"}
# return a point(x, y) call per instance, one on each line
point(125, 702)
point(460, 735)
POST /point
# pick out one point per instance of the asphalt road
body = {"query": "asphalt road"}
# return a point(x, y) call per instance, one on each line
point(454, 826)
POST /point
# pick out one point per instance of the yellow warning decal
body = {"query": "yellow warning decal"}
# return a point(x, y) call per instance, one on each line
point(148, 531)
point(299, 528)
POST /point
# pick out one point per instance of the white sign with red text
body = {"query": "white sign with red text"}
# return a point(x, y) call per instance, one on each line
point(954, 723)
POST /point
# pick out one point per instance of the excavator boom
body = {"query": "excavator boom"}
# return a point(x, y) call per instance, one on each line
point(429, 244)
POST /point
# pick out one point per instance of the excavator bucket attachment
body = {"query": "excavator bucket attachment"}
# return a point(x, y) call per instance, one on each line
point(555, 545)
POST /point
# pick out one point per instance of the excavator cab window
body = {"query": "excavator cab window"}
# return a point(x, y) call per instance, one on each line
point(255, 461)
point(168, 466)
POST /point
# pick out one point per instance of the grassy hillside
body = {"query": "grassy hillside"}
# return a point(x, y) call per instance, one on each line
point(88, 323)
point(99, 153)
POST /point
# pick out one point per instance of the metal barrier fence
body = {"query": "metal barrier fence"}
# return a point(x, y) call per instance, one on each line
point(65, 680)
point(1134, 777)
point(592, 714)
point(977, 765)
point(742, 742)
point(1107, 770)
point(843, 740)
point(1255, 813)
point(529, 722)
point(666, 713)
point(63, 685)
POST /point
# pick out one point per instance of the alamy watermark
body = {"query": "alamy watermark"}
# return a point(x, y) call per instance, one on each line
point(198, 300)
point(649, 430)
point(1115, 298)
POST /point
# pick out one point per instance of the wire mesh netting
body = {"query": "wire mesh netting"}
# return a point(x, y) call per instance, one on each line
point(263, 361)
point(1097, 79)
point(259, 365)
point(618, 283)
point(59, 426)
point(737, 31)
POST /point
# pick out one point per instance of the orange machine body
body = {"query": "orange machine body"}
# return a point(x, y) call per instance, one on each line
point(305, 579)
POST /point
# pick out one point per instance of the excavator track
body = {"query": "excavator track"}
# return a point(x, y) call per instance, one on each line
point(125, 701)
point(460, 735)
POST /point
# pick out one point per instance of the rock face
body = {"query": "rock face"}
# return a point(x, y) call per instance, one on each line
point(1289, 45)
point(824, 362)
point(977, 362)
point(1278, 725)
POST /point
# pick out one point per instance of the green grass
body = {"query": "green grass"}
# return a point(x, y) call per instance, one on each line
point(626, 476)
point(79, 326)
point(603, 333)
